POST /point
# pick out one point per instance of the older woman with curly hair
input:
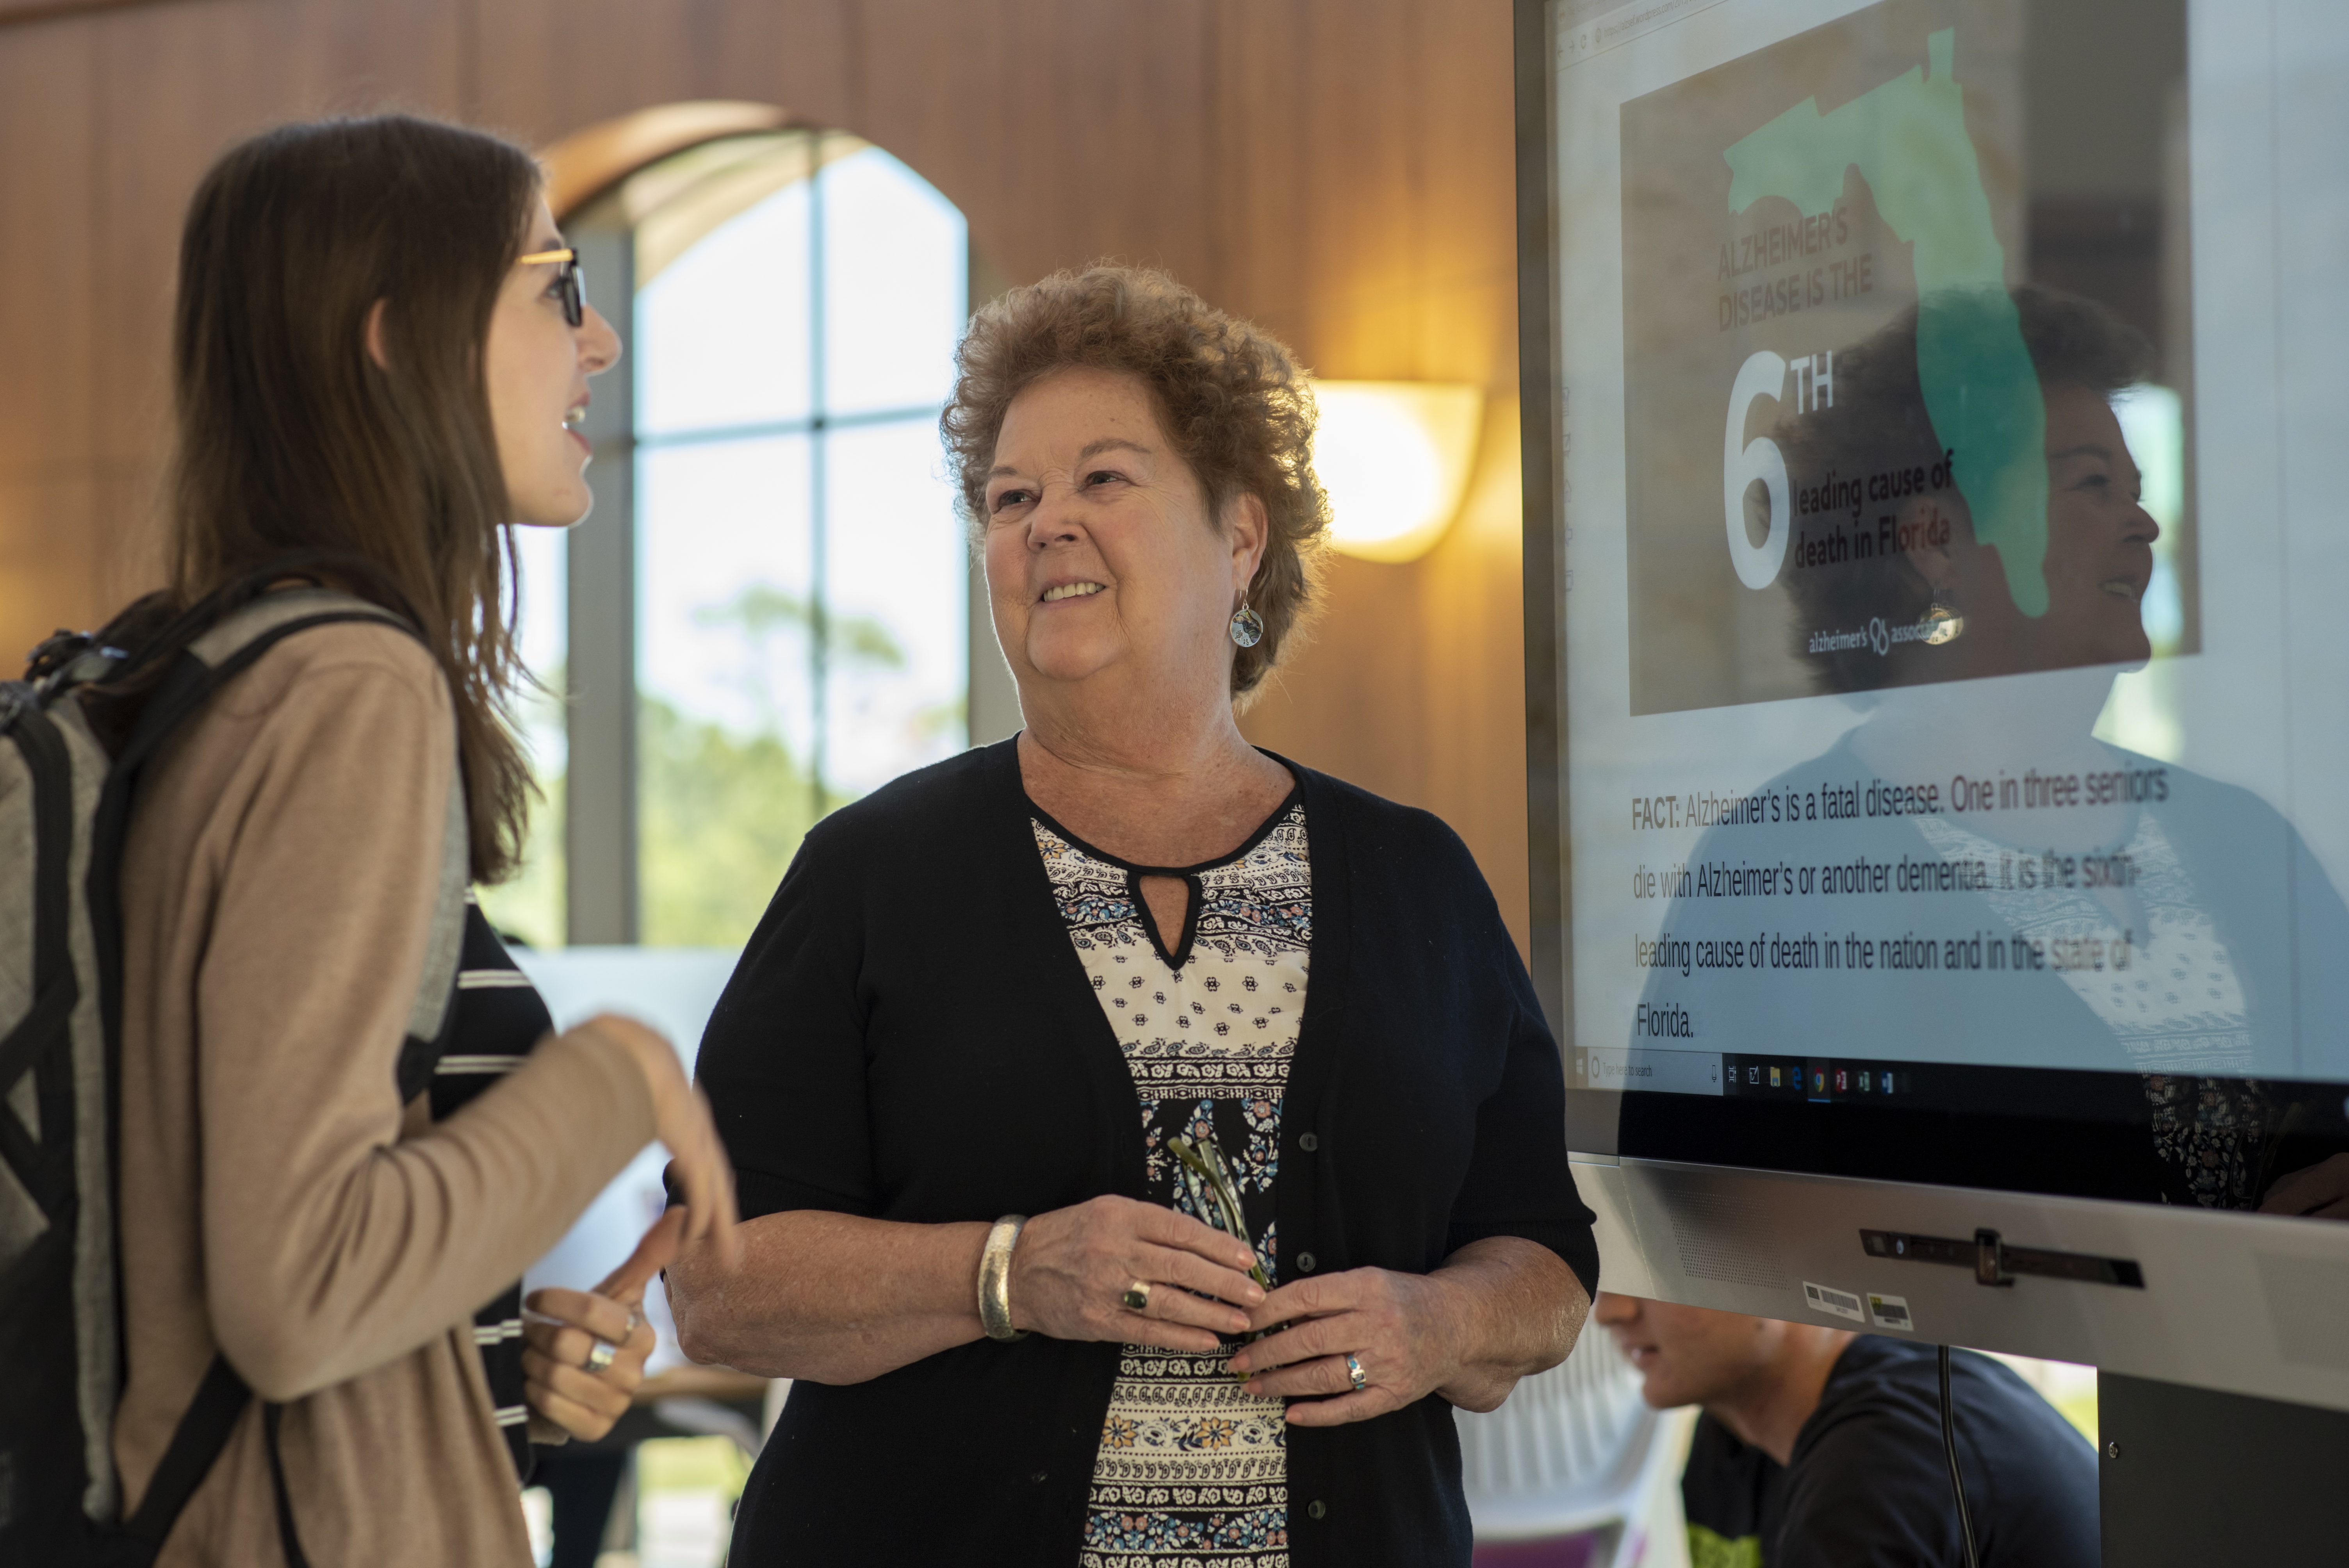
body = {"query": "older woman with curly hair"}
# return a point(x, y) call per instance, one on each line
point(1144, 1142)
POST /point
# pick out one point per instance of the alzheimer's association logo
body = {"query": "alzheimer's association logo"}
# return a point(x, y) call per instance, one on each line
point(1878, 638)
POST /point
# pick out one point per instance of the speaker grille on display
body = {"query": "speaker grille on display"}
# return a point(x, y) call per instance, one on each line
point(1723, 1238)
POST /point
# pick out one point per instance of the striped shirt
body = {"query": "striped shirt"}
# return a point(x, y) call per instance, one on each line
point(495, 1019)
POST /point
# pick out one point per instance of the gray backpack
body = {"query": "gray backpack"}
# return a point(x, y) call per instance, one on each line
point(75, 735)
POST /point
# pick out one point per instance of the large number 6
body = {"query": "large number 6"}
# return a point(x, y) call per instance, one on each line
point(1763, 375)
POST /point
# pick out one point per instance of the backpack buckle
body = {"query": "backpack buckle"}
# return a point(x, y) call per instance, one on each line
point(66, 659)
point(55, 652)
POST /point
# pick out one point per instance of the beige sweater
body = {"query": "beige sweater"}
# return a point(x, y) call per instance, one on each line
point(278, 1202)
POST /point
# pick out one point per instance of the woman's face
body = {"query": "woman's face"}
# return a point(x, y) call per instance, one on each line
point(2099, 556)
point(2099, 537)
point(537, 365)
point(1101, 556)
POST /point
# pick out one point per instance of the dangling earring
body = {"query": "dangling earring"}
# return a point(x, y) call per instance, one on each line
point(1247, 626)
point(1943, 616)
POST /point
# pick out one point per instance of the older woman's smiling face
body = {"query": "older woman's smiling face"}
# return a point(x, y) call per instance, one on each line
point(2099, 535)
point(2098, 563)
point(1102, 559)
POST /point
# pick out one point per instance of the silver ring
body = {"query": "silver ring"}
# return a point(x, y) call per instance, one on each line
point(1354, 1370)
point(1137, 1296)
point(635, 1320)
point(600, 1355)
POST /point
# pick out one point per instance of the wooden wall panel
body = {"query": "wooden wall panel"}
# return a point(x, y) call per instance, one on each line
point(1365, 232)
point(1337, 169)
point(1064, 129)
point(1467, 288)
point(49, 547)
point(176, 85)
point(1472, 669)
point(48, 246)
point(545, 67)
point(1122, 170)
point(1379, 197)
point(22, 11)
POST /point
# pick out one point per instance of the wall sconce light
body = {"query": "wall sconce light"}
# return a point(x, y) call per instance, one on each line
point(1394, 458)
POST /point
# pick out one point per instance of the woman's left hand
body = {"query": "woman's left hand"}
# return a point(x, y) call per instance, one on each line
point(1497, 1310)
point(573, 1329)
point(2319, 1193)
point(1405, 1331)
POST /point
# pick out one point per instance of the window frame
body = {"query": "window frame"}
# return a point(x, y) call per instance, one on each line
point(602, 837)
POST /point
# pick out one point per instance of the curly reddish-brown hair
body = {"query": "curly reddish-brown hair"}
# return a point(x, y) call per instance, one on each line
point(1234, 401)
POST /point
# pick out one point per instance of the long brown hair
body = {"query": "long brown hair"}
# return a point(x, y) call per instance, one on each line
point(290, 437)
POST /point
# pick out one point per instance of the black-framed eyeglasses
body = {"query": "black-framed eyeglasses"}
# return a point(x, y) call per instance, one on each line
point(573, 286)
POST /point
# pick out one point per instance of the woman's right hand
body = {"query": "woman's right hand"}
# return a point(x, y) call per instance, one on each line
point(681, 1120)
point(1071, 1270)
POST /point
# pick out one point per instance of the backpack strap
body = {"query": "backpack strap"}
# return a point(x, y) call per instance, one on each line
point(203, 1433)
point(289, 1539)
point(208, 662)
point(45, 1168)
point(59, 1275)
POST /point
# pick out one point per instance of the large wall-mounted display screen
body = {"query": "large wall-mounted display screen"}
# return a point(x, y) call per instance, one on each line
point(1950, 559)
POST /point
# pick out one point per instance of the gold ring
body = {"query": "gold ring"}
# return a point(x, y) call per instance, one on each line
point(1137, 1296)
point(600, 1355)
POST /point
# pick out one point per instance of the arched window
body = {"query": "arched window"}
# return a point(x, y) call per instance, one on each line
point(768, 615)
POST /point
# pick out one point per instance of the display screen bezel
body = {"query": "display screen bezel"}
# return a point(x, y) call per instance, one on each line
point(2063, 1133)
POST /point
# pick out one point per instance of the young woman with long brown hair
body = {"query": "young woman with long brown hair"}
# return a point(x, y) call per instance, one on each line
point(380, 354)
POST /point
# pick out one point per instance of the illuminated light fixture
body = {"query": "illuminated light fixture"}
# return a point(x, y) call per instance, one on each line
point(1394, 458)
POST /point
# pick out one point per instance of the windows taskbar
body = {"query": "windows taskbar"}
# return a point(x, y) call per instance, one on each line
point(2059, 1092)
point(2126, 1134)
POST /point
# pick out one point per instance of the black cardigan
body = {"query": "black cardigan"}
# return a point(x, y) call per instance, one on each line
point(910, 1037)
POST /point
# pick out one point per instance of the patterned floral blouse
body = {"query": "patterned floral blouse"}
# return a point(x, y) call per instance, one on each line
point(1192, 1471)
point(2176, 1002)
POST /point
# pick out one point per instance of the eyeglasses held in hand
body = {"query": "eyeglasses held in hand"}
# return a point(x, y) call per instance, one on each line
point(1209, 1180)
point(573, 287)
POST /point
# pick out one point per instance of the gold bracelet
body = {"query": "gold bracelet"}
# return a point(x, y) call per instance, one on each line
point(995, 1279)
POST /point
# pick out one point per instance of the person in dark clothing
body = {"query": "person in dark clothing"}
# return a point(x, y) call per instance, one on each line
point(1822, 1449)
point(1150, 1142)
